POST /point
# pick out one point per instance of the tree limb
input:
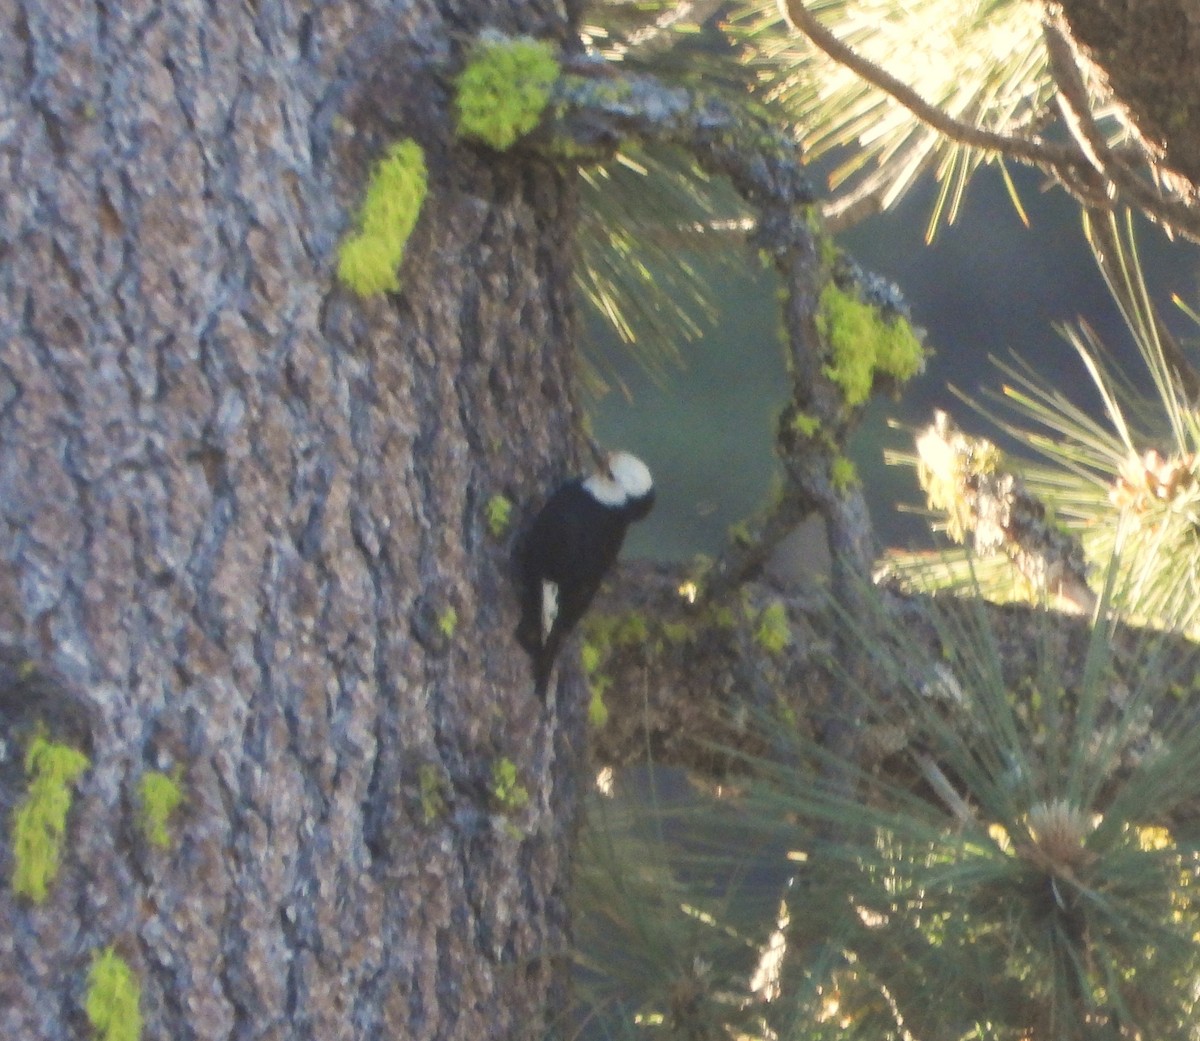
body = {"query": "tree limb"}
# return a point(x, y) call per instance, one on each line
point(1089, 170)
point(1034, 150)
point(1110, 164)
point(965, 477)
point(595, 113)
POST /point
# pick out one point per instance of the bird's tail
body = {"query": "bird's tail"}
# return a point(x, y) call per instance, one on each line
point(543, 666)
point(542, 656)
point(544, 663)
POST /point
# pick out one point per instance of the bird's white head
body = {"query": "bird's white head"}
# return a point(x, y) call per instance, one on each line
point(625, 479)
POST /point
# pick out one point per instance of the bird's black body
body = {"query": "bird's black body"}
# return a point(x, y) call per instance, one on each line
point(569, 548)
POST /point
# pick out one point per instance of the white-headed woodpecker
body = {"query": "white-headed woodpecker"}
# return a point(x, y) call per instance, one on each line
point(573, 542)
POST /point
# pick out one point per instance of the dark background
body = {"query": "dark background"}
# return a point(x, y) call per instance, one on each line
point(986, 286)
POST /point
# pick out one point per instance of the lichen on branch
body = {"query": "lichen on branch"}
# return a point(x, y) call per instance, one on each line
point(593, 112)
point(965, 477)
point(864, 344)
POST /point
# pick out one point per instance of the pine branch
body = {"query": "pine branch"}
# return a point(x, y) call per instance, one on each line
point(1112, 166)
point(1089, 168)
point(965, 477)
point(596, 111)
point(599, 112)
point(1107, 250)
point(1034, 150)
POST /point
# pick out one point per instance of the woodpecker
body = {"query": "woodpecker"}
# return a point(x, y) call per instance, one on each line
point(571, 545)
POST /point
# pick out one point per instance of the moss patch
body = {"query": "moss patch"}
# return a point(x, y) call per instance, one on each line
point(843, 474)
point(773, 633)
point(509, 793)
point(499, 515)
point(805, 425)
point(159, 796)
point(501, 94)
point(597, 709)
point(433, 796)
point(862, 343)
point(41, 820)
point(448, 622)
point(740, 534)
point(368, 260)
point(623, 630)
point(113, 1002)
point(592, 657)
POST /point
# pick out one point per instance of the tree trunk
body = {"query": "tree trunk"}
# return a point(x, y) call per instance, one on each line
point(244, 531)
point(1148, 51)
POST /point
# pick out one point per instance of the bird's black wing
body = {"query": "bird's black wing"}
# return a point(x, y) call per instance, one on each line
point(568, 545)
point(545, 553)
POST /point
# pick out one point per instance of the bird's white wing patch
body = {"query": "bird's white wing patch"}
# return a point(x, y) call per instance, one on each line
point(549, 607)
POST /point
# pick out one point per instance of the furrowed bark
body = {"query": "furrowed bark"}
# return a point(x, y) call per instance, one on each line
point(243, 524)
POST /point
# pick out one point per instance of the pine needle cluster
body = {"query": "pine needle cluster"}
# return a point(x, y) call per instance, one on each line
point(1122, 483)
point(983, 64)
point(1015, 856)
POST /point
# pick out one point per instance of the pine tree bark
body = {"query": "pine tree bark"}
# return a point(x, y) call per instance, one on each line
point(1148, 51)
point(243, 528)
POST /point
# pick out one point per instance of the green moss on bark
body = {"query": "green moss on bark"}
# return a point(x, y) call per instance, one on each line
point(159, 795)
point(862, 343)
point(40, 822)
point(503, 91)
point(368, 260)
point(114, 996)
